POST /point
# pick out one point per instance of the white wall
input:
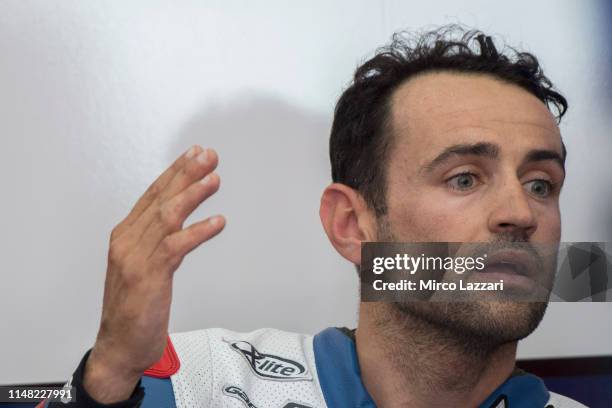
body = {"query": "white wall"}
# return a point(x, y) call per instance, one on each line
point(98, 97)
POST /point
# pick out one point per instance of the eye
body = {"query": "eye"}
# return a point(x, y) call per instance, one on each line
point(540, 188)
point(462, 181)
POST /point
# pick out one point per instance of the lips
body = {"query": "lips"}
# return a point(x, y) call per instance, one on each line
point(512, 262)
point(504, 267)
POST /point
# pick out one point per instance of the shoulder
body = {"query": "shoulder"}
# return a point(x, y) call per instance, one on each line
point(215, 340)
point(222, 347)
point(265, 335)
point(219, 363)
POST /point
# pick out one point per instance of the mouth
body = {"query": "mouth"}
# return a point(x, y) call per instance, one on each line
point(512, 266)
point(505, 267)
point(511, 261)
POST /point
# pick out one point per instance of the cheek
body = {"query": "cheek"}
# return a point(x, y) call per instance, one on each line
point(549, 224)
point(432, 220)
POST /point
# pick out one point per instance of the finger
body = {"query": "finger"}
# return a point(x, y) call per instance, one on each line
point(173, 213)
point(173, 248)
point(154, 189)
point(194, 169)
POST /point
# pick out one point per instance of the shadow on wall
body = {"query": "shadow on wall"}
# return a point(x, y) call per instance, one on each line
point(270, 151)
point(273, 128)
point(274, 165)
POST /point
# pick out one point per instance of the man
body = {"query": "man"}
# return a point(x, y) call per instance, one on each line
point(441, 139)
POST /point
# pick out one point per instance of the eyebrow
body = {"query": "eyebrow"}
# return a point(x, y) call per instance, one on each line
point(491, 151)
point(542, 155)
point(483, 149)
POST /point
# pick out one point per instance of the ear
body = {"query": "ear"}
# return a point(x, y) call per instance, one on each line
point(347, 220)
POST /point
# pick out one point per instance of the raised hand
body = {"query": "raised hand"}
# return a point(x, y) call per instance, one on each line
point(145, 250)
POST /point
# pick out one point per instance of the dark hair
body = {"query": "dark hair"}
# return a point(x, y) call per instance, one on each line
point(360, 136)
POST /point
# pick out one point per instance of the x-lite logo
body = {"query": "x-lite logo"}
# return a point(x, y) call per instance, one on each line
point(269, 366)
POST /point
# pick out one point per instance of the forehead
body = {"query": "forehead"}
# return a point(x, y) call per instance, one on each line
point(434, 110)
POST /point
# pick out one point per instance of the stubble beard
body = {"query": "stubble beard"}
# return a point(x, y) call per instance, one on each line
point(477, 326)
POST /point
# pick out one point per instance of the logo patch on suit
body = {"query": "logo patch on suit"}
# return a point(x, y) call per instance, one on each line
point(501, 402)
point(269, 366)
point(236, 392)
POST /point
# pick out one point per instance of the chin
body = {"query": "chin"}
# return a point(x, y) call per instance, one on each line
point(483, 324)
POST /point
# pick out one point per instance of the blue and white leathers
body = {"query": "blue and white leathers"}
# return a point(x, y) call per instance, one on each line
point(273, 368)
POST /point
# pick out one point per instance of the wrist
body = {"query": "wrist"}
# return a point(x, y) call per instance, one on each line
point(106, 381)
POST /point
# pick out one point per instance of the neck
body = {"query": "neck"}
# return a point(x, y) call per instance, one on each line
point(407, 362)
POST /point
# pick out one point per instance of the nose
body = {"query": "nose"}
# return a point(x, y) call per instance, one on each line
point(512, 212)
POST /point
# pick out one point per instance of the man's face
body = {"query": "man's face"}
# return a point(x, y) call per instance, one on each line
point(473, 159)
